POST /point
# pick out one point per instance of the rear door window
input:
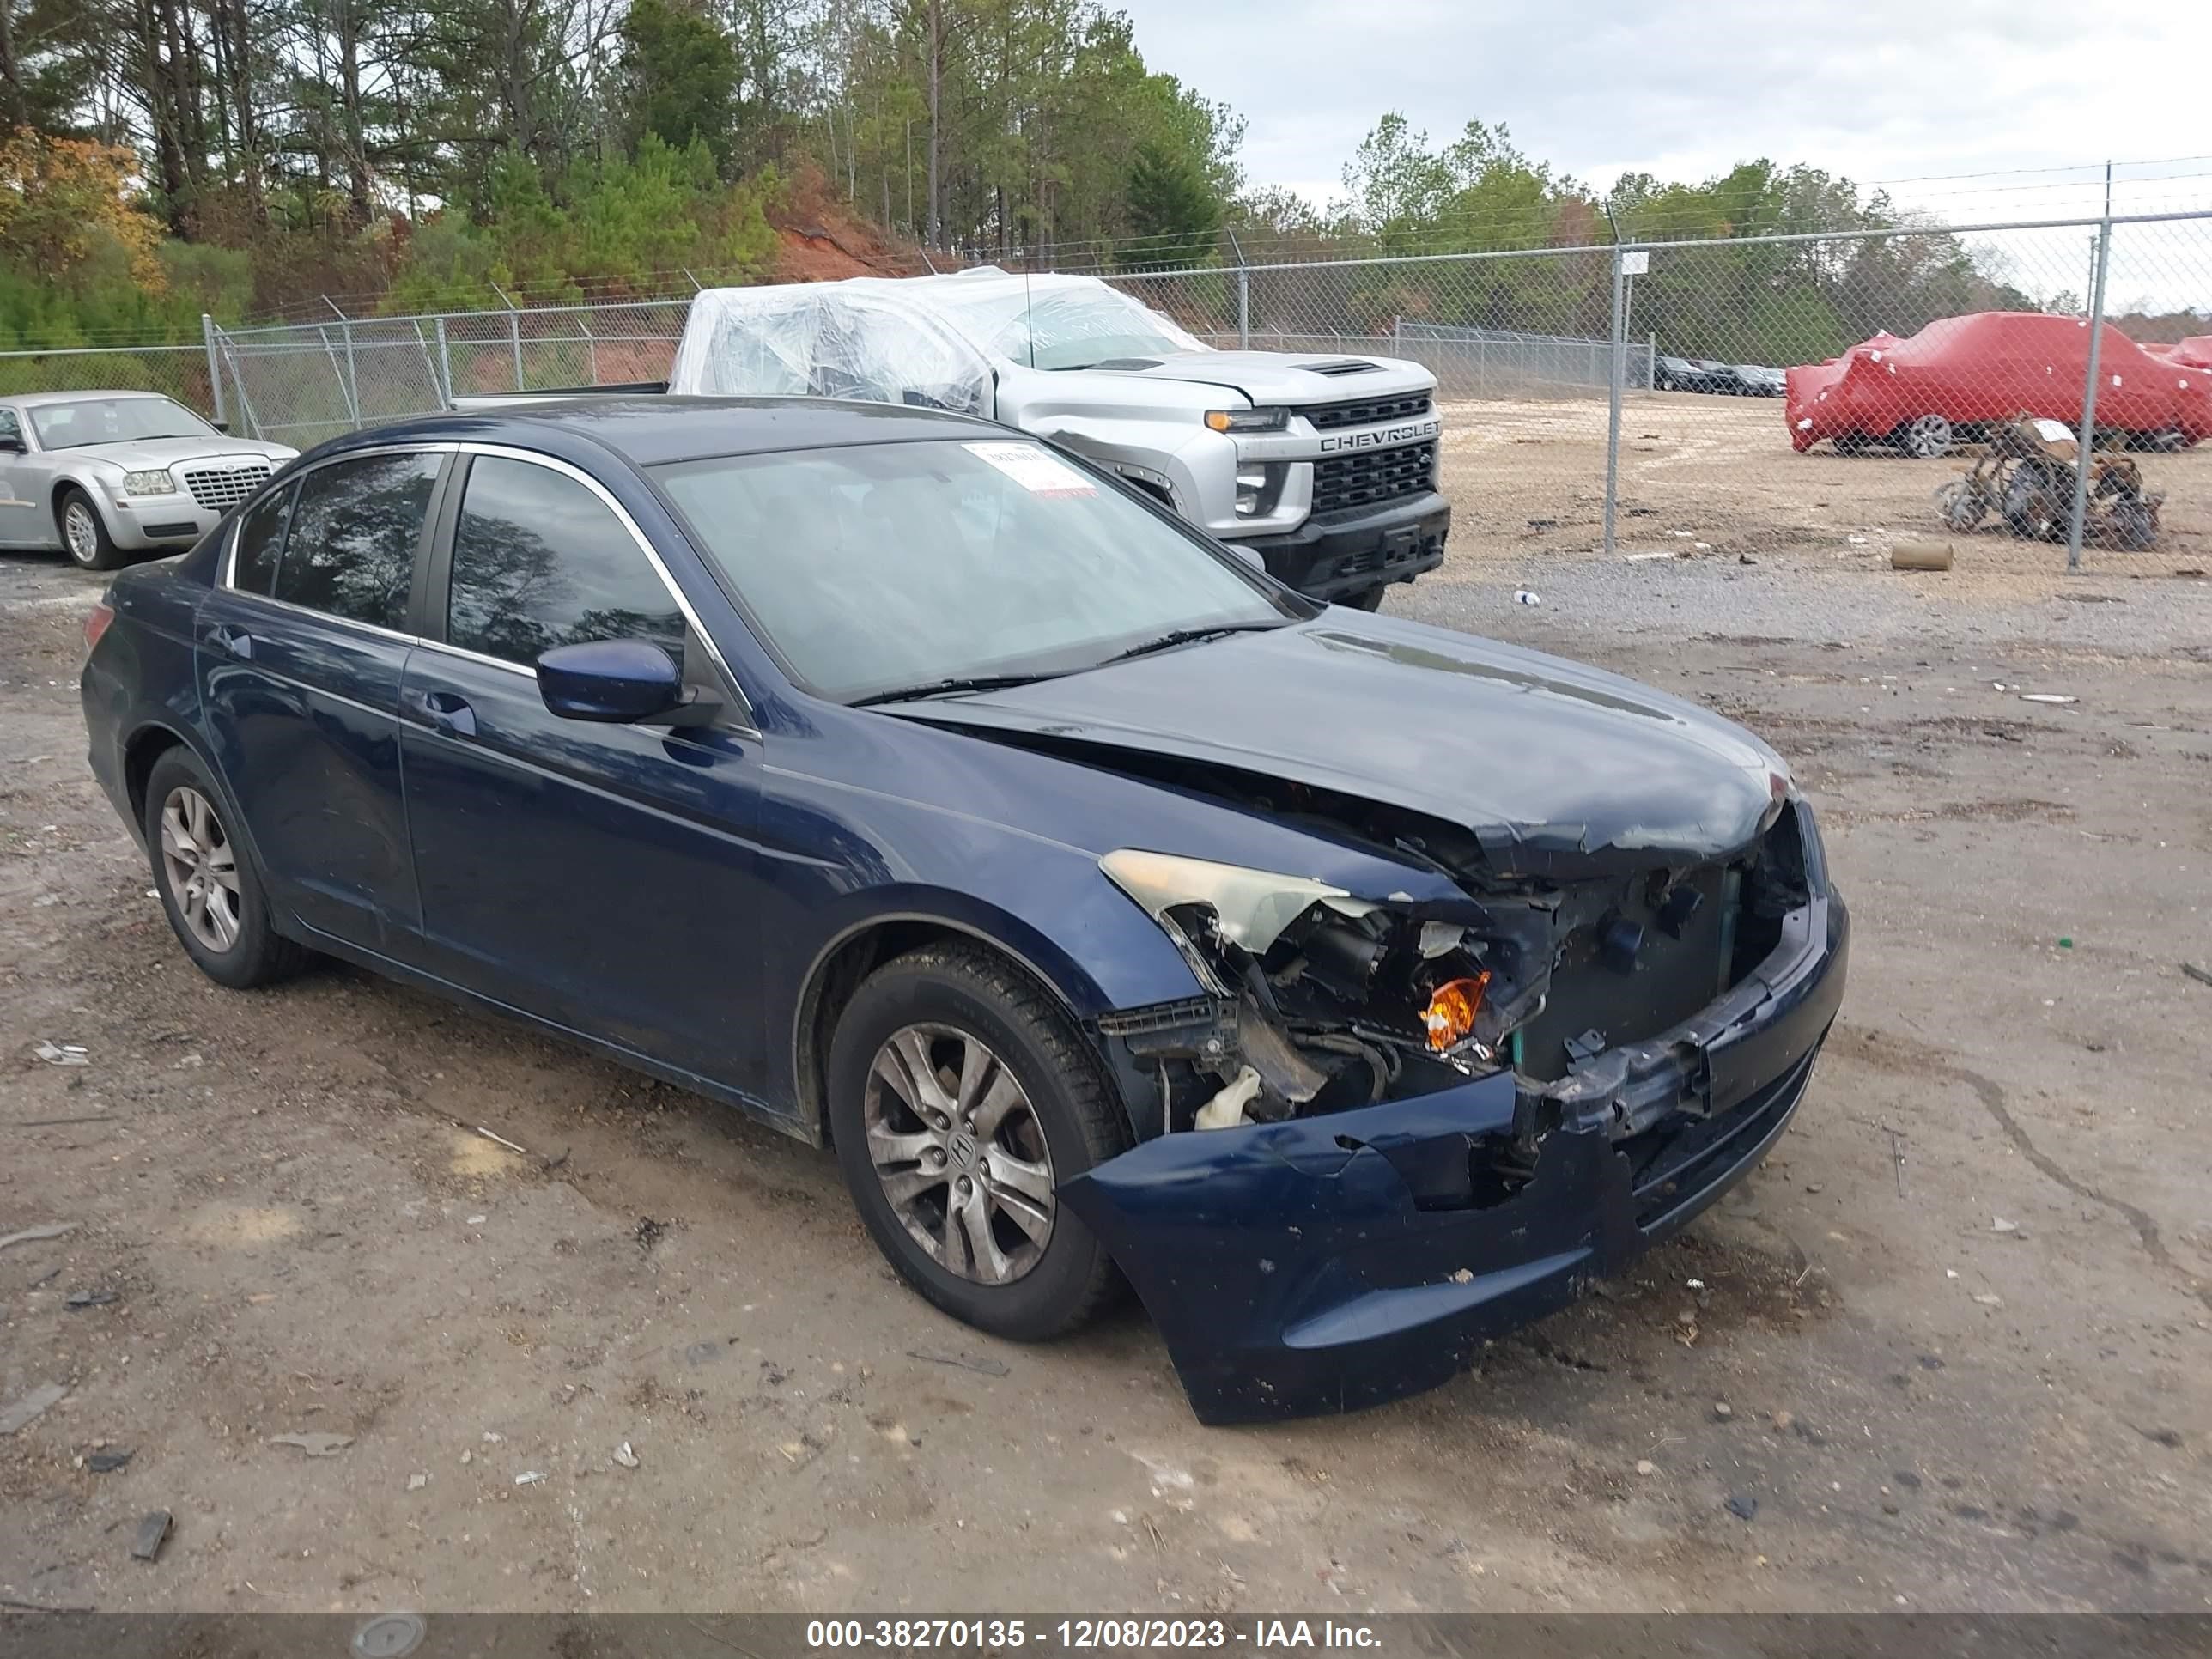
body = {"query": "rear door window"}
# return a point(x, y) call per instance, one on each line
point(540, 560)
point(260, 540)
point(350, 550)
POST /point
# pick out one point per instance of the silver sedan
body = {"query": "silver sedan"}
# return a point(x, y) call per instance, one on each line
point(103, 474)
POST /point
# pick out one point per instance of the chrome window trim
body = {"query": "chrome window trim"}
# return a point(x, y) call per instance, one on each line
point(286, 477)
point(487, 660)
point(297, 608)
point(554, 463)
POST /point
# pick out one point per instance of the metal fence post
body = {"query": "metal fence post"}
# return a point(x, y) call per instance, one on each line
point(1244, 291)
point(514, 328)
point(353, 372)
point(215, 369)
point(445, 362)
point(1612, 399)
point(1651, 364)
point(2086, 455)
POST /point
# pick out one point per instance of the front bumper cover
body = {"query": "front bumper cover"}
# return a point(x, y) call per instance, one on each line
point(1329, 1263)
point(1335, 557)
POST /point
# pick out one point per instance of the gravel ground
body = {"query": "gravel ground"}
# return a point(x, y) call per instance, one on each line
point(1529, 477)
point(1946, 1350)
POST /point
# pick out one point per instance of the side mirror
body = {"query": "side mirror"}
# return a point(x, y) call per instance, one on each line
point(1249, 555)
point(12, 443)
point(223, 427)
point(619, 681)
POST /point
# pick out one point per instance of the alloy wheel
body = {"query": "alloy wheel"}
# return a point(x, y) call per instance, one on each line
point(81, 532)
point(1928, 437)
point(201, 866)
point(961, 1155)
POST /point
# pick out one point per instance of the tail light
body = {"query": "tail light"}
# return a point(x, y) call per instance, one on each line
point(95, 623)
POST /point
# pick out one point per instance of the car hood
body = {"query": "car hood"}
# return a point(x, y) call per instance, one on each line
point(1555, 768)
point(1289, 377)
point(140, 453)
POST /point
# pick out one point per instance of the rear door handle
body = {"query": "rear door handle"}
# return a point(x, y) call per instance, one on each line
point(449, 712)
point(232, 642)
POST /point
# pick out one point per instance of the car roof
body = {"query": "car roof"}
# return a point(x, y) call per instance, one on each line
point(653, 429)
point(39, 399)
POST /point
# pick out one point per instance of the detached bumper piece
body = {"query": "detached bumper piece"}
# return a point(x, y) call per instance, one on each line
point(1332, 1262)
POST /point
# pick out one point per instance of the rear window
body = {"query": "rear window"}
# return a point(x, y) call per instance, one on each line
point(260, 540)
point(350, 549)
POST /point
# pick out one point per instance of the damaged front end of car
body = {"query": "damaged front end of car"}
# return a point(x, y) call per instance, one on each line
point(1398, 1123)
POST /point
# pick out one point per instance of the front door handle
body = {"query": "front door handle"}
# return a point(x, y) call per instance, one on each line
point(449, 712)
point(232, 642)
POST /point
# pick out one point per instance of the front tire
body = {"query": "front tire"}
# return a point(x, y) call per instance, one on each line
point(961, 1098)
point(84, 533)
point(206, 882)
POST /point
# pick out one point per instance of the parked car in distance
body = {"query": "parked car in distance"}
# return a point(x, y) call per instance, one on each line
point(1356, 988)
point(1691, 374)
point(1959, 375)
point(102, 475)
point(1756, 380)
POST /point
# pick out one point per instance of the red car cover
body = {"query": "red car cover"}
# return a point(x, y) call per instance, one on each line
point(2195, 352)
point(1991, 365)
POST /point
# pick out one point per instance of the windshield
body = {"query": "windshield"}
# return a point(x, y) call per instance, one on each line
point(879, 568)
point(1060, 323)
point(113, 421)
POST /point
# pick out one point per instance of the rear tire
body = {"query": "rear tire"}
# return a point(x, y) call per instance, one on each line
point(84, 533)
point(962, 1201)
point(206, 881)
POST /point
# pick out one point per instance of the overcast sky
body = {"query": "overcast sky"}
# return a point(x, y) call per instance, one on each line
point(1876, 89)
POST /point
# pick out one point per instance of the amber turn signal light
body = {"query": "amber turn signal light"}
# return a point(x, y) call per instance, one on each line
point(1451, 1011)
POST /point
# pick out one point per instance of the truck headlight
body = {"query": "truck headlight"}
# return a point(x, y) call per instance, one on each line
point(1248, 419)
point(155, 481)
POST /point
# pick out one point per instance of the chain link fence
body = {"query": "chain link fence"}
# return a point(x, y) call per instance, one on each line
point(1828, 394)
point(179, 371)
point(303, 382)
point(1836, 393)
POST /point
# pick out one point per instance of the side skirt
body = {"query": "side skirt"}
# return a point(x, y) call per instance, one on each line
point(784, 1122)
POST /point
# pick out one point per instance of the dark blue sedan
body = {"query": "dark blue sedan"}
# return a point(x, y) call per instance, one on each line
point(1354, 989)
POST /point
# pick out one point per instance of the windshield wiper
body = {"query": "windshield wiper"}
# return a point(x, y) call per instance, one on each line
point(947, 688)
point(1193, 636)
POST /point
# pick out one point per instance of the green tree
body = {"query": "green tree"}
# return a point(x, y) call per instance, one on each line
point(1172, 207)
point(679, 78)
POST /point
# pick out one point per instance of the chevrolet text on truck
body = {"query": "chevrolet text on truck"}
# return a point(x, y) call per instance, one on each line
point(1324, 466)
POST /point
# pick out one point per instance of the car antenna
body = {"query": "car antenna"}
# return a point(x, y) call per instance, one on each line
point(1029, 313)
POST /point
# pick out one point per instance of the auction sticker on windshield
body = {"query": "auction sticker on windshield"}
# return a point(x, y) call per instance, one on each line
point(1035, 470)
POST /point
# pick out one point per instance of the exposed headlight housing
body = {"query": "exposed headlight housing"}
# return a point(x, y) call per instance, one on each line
point(1250, 908)
point(1248, 419)
point(155, 481)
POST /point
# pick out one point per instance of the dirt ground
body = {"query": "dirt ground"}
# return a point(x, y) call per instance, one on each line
point(1945, 1351)
point(1529, 477)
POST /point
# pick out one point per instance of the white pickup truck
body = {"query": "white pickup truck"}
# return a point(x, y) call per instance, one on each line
point(1323, 465)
